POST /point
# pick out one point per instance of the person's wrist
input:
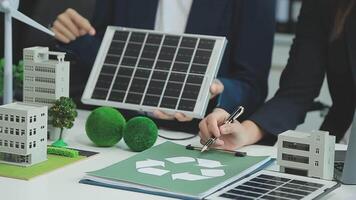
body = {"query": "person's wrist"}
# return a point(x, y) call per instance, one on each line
point(255, 133)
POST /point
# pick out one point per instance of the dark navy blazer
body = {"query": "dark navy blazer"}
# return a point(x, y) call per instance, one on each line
point(314, 55)
point(247, 24)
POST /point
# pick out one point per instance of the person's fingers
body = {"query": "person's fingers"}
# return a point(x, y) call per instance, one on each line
point(182, 117)
point(226, 129)
point(59, 36)
point(213, 127)
point(82, 32)
point(161, 115)
point(216, 88)
point(204, 132)
point(66, 21)
point(202, 141)
point(232, 128)
point(80, 21)
point(221, 115)
point(218, 142)
point(63, 30)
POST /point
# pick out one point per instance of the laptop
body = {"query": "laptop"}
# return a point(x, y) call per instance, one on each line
point(345, 161)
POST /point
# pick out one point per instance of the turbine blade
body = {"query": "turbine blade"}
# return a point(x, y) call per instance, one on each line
point(23, 18)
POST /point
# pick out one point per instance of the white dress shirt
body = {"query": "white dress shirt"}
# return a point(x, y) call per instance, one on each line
point(172, 15)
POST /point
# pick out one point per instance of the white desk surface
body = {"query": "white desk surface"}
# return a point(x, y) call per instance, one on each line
point(63, 183)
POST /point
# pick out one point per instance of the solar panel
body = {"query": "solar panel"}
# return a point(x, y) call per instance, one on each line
point(276, 186)
point(146, 70)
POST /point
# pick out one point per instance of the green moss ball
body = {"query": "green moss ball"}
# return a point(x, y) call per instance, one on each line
point(104, 126)
point(140, 133)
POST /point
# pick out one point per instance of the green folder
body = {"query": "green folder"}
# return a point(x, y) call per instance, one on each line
point(170, 169)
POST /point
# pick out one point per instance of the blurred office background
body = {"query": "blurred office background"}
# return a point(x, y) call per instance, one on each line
point(45, 12)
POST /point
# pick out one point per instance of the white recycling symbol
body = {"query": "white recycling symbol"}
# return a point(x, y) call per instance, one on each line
point(209, 168)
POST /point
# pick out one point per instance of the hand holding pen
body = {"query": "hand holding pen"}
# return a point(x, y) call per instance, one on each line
point(212, 129)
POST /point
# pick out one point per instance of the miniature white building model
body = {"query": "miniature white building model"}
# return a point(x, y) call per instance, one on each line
point(45, 79)
point(308, 154)
point(23, 134)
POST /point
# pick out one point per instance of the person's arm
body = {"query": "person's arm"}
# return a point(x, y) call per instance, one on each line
point(301, 80)
point(299, 85)
point(245, 80)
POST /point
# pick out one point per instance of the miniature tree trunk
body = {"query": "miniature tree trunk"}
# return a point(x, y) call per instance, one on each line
point(61, 134)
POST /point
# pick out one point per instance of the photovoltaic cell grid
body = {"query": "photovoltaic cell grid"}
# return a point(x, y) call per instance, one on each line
point(276, 186)
point(156, 70)
point(273, 187)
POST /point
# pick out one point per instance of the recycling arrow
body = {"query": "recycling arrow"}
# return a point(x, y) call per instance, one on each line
point(153, 171)
point(149, 163)
point(208, 163)
point(188, 176)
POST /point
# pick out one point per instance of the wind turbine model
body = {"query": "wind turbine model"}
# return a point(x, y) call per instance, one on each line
point(9, 7)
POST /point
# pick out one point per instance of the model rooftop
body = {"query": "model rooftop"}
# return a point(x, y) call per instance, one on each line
point(296, 134)
point(42, 54)
point(21, 106)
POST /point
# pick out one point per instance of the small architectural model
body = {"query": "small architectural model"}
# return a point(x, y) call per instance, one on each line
point(307, 154)
point(45, 79)
point(23, 134)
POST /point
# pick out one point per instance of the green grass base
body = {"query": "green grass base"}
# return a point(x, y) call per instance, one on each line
point(59, 143)
point(25, 173)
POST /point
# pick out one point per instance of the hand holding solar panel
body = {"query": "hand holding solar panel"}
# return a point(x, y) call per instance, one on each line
point(147, 70)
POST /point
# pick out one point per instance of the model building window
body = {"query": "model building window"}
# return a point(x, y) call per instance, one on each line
point(11, 143)
point(6, 117)
point(34, 144)
point(0, 116)
point(0, 143)
point(6, 131)
point(5, 143)
point(29, 68)
point(317, 150)
point(31, 119)
point(42, 114)
point(34, 118)
point(11, 131)
point(30, 132)
point(316, 163)
point(0, 129)
point(17, 131)
point(22, 132)
point(11, 118)
point(23, 120)
point(17, 145)
point(22, 145)
point(34, 131)
point(28, 88)
point(30, 145)
point(17, 119)
point(29, 78)
point(42, 140)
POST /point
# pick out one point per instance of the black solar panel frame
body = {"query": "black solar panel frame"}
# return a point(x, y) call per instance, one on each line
point(177, 48)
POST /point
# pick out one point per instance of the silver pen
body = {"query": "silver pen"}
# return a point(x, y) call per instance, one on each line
point(229, 120)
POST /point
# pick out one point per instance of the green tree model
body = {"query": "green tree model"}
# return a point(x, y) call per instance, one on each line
point(63, 113)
